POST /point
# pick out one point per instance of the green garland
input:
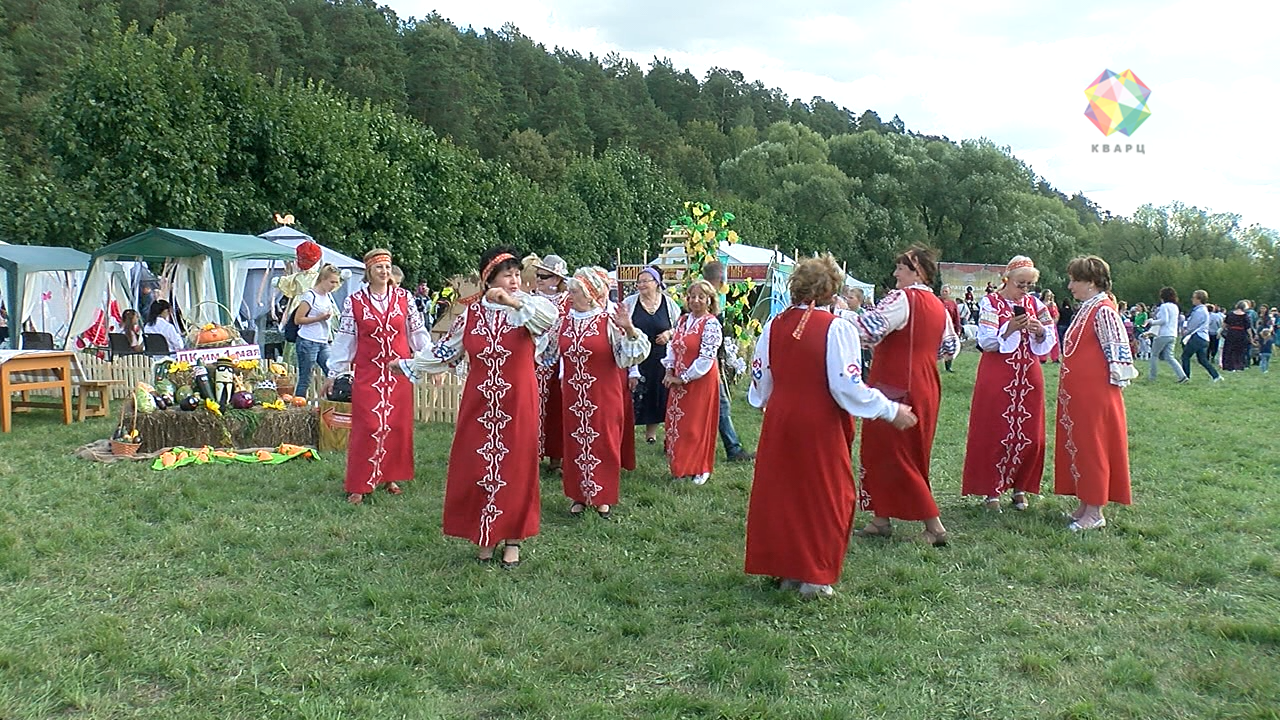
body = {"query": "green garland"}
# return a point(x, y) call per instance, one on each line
point(704, 228)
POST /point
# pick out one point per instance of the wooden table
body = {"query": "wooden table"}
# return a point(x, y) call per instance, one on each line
point(43, 370)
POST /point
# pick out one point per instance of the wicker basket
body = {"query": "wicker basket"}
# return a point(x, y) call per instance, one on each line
point(124, 449)
point(193, 332)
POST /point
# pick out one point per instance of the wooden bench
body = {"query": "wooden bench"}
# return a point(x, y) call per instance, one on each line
point(86, 390)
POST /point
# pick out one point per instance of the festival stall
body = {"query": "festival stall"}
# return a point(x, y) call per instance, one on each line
point(205, 272)
point(40, 286)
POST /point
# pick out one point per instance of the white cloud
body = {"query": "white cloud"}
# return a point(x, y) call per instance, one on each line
point(1009, 71)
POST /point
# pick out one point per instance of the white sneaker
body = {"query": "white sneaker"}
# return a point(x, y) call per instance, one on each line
point(701, 479)
point(809, 591)
point(1218, 379)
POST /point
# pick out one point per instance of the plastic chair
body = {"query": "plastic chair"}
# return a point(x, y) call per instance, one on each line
point(37, 341)
point(154, 345)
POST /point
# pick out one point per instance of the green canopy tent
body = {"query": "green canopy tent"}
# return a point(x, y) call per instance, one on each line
point(207, 270)
point(41, 285)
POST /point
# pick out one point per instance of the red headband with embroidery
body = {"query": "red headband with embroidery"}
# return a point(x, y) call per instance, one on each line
point(1018, 265)
point(379, 258)
point(501, 258)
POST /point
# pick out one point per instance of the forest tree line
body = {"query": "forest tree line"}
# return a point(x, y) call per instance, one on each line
point(438, 141)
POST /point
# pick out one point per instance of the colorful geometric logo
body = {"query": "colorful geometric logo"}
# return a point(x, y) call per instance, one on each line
point(1117, 102)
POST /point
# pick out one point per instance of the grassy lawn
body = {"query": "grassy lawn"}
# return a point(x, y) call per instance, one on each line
point(248, 592)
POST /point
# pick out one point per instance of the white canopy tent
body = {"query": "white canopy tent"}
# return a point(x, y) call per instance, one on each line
point(205, 271)
point(39, 286)
point(258, 294)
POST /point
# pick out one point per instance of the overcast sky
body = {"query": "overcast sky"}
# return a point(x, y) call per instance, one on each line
point(1013, 72)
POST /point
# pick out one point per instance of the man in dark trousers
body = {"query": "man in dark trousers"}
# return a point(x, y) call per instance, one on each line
point(714, 273)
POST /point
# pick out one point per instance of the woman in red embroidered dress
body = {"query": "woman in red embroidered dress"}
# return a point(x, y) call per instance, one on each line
point(910, 331)
point(551, 273)
point(1006, 420)
point(1051, 304)
point(380, 327)
point(593, 346)
point(1091, 456)
point(491, 489)
point(807, 374)
point(693, 382)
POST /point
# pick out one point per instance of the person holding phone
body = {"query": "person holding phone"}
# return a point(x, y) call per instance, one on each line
point(1006, 443)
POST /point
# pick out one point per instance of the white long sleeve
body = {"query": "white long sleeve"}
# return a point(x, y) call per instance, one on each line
point(712, 336)
point(991, 332)
point(844, 376)
point(844, 373)
point(536, 314)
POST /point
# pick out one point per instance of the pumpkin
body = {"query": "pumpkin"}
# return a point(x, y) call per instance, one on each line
point(299, 401)
point(286, 397)
point(215, 334)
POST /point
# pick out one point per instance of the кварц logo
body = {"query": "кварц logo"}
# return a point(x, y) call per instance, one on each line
point(1117, 102)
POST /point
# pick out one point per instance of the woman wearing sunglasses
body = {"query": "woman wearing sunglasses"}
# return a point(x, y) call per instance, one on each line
point(1006, 420)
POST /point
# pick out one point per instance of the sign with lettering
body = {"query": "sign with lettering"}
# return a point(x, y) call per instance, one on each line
point(205, 356)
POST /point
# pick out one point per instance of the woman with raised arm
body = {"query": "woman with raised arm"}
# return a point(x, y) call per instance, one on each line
point(594, 345)
point(807, 375)
point(491, 489)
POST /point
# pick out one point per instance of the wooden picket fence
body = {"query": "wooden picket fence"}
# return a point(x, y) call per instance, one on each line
point(437, 399)
point(127, 370)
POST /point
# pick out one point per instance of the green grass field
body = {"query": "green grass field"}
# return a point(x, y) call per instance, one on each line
point(250, 592)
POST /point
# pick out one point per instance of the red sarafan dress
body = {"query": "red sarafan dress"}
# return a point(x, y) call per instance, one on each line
point(1006, 444)
point(1091, 455)
point(895, 463)
point(803, 494)
point(380, 448)
point(693, 409)
point(491, 489)
point(595, 407)
point(550, 406)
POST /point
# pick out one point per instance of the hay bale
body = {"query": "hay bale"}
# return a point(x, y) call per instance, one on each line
point(258, 427)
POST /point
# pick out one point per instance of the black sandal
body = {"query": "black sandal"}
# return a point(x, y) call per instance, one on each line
point(514, 563)
point(581, 508)
point(605, 514)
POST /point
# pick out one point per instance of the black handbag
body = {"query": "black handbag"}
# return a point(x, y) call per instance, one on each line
point(341, 390)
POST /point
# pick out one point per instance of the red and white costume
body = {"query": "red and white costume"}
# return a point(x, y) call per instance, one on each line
point(803, 494)
point(693, 409)
point(550, 406)
point(910, 330)
point(592, 352)
point(375, 333)
point(1006, 442)
point(1091, 454)
point(491, 489)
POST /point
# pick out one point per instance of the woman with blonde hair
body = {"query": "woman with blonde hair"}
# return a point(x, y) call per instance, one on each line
point(1006, 443)
point(1050, 303)
point(594, 345)
point(379, 328)
point(693, 383)
point(807, 375)
point(1091, 455)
